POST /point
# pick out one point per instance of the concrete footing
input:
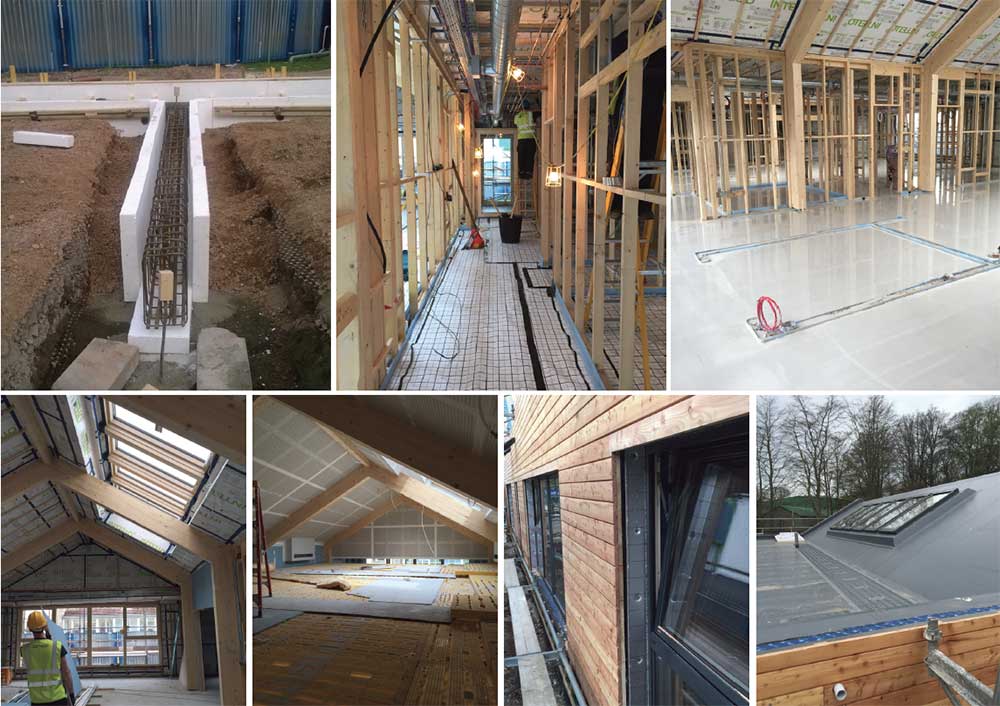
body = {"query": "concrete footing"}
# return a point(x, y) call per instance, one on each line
point(103, 365)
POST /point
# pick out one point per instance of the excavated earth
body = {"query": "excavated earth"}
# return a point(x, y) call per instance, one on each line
point(269, 190)
point(49, 198)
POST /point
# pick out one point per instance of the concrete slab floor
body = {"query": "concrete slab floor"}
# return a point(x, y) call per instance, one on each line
point(149, 691)
point(945, 338)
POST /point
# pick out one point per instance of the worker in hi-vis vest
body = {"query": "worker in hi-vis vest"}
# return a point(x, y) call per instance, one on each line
point(525, 121)
point(49, 678)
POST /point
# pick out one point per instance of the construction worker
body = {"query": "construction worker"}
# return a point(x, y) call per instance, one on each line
point(49, 678)
point(525, 121)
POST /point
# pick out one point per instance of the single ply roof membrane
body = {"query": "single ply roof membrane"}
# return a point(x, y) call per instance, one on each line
point(883, 563)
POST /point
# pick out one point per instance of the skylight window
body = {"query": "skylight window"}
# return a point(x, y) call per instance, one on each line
point(140, 534)
point(889, 517)
point(153, 464)
point(164, 435)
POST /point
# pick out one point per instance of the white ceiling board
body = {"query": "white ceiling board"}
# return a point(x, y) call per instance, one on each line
point(294, 460)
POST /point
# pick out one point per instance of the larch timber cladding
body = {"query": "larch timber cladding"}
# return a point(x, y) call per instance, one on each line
point(577, 436)
point(885, 669)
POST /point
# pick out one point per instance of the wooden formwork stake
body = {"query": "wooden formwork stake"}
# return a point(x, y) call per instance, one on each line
point(284, 72)
point(218, 71)
point(13, 74)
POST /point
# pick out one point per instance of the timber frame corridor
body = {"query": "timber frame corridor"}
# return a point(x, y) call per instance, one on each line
point(417, 309)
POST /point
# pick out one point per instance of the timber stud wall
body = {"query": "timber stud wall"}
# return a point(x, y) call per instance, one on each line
point(578, 436)
point(824, 134)
point(885, 669)
point(371, 317)
point(574, 133)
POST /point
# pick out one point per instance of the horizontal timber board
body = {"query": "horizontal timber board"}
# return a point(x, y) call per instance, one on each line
point(863, 663)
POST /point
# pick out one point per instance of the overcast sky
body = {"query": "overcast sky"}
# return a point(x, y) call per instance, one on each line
point(907, 403)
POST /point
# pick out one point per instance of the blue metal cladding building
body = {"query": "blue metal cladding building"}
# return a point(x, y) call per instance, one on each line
point(52, 35)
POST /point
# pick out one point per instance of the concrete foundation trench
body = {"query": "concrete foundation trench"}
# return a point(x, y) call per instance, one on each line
point(267, 260)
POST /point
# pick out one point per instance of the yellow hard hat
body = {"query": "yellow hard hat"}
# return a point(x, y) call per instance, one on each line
point(37, 621)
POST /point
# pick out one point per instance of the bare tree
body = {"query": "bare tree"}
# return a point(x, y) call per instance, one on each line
point(974, 439)
point(923, 449)
point(816, 441)
point(870, 457)
point(772, 464)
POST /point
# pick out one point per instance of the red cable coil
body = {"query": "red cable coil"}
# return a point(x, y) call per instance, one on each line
point(775, 311)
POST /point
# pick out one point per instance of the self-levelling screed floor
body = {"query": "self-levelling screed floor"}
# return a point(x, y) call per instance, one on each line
point(947, 337)
point(491, 325)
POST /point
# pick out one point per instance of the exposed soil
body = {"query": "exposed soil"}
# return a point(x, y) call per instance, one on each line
point(48, 198)
point(292, 163)
point(269, 189)
point(105, 236)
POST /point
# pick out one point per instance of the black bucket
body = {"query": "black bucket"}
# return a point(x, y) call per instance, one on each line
point(510, 229)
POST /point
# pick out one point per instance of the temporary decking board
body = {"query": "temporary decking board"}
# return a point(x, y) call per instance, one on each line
point(885, 668)
point(373, 311)
point(536, 689)
point(577, 436)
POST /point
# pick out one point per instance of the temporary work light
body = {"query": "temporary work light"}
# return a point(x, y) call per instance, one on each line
point(553, 176)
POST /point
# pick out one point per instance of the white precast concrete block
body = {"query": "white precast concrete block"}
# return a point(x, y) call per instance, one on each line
point(198, 210)
point(147, 340)
point(43, 139)
point(133, 219)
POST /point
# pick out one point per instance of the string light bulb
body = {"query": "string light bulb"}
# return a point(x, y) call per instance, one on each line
point(475, 173)
point(517, 73)
point(553, 176)
point(460, 127)
point(478, 153)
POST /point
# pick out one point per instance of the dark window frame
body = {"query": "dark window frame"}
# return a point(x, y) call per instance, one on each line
point(645, 641)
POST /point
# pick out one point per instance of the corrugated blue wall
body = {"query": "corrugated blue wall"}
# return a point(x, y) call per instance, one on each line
point(48, 35)
point(106, 33)
point(29, 31)
point(194, 32)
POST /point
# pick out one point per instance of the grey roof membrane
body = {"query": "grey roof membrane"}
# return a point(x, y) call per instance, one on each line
point(946, 560)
